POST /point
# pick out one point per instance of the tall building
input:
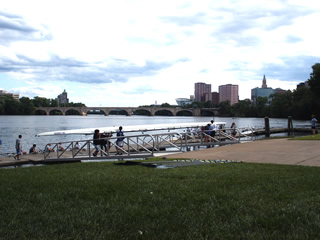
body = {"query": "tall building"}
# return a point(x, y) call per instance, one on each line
point(212, 97)
point(264, 91)
point(63, 98)
point(199, 91)
point(229, 93)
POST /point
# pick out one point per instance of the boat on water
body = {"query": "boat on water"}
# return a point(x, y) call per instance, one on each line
point(133, 128)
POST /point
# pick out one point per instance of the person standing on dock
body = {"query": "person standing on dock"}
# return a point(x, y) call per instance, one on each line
point(213, 129)
point(119, 141)
point(313, 125)
point(96, 141)
point(19, 148)
point(233, 129)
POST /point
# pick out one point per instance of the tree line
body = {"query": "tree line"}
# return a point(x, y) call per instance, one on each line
point(27, 106)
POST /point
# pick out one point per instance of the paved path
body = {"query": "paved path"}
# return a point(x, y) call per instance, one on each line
point(278, 151)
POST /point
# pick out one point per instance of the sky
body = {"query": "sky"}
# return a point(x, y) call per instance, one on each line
point(128, 53)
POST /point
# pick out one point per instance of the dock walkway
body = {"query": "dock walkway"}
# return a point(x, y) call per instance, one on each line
point(274, 151)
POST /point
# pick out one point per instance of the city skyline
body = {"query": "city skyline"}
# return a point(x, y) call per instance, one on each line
point(131, 53)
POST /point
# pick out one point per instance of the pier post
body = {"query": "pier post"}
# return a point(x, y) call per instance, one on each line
point(267, 126)
point(290, 125)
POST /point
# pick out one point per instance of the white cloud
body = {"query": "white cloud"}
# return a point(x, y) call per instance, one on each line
point(137, 52)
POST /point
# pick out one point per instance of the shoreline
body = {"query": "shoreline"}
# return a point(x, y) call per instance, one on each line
point(267, 151)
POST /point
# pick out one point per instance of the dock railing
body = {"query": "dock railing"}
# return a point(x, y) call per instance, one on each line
point(143, 145)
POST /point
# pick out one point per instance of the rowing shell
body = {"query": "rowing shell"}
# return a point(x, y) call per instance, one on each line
point(134, 128)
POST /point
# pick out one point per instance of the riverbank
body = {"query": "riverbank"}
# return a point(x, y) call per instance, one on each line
point(274, 151)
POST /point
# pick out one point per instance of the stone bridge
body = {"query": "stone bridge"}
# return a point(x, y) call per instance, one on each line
point(152, 111)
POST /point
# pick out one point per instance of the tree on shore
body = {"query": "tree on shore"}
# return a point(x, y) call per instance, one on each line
point(27, 106)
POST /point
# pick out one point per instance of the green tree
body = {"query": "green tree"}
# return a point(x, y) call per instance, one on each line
point(165, 105)
point(12, 106)
point(261, 107)
point(225, 109)
point(41, 102)
point(54, 103)
point(208, 104)
point(2, 105)
point(282, 105)
point(302, 103)
point(27, 106)
point(314, 80)
point(243, 108)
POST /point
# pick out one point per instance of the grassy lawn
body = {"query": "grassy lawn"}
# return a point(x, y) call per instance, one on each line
point(309, 137)
point(106, 201)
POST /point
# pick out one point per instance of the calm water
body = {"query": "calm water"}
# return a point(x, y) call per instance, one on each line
point(29, 126)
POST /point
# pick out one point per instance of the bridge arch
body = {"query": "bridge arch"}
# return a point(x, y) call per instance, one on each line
point(56, 111)
point(184, 112)
point(72, 111)
point(40, 112)
point(142, 111)
point(164, 112)
point(97, 111)
point(115, 111)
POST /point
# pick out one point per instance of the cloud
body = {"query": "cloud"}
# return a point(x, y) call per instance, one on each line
point(183, 21)
point(296, 68)
point(66, 69)
point(238, 24)
point(293, 39)
point(15, 28)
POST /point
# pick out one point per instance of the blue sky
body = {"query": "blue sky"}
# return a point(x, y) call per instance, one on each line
point(137, 52)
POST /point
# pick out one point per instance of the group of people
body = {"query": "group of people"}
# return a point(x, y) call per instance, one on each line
point(101, 139)
point(210, 131)
point(33, 149)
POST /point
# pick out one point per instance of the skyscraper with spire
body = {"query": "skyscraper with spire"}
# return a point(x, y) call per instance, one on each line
point(264, 82)
point(264, 91)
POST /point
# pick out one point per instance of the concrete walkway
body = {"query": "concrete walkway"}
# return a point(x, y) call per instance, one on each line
point(276, 151)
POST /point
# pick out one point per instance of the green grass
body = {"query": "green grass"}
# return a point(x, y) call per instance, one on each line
point(106, 201)
point(309, 137)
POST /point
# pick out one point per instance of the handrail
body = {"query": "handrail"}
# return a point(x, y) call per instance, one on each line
point(142, 145)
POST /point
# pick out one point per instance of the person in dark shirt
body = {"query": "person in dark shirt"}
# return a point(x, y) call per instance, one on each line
point(96, 141)
point(33, 149)
point(119, 141)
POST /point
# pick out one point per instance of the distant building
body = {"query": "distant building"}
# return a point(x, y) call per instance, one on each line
point(229, 93)
point(279, 90)
point(183, 101)
point(14, 95)
point(303, 84)
point(63, 98)
point(212, 97)
point(264, 91)
point(200, 89)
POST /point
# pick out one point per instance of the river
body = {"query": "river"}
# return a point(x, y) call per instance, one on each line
point(29, 126)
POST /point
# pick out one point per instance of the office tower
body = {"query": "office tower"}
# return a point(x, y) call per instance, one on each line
point(199, 91)
point(264, 91)
point(229, 93)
